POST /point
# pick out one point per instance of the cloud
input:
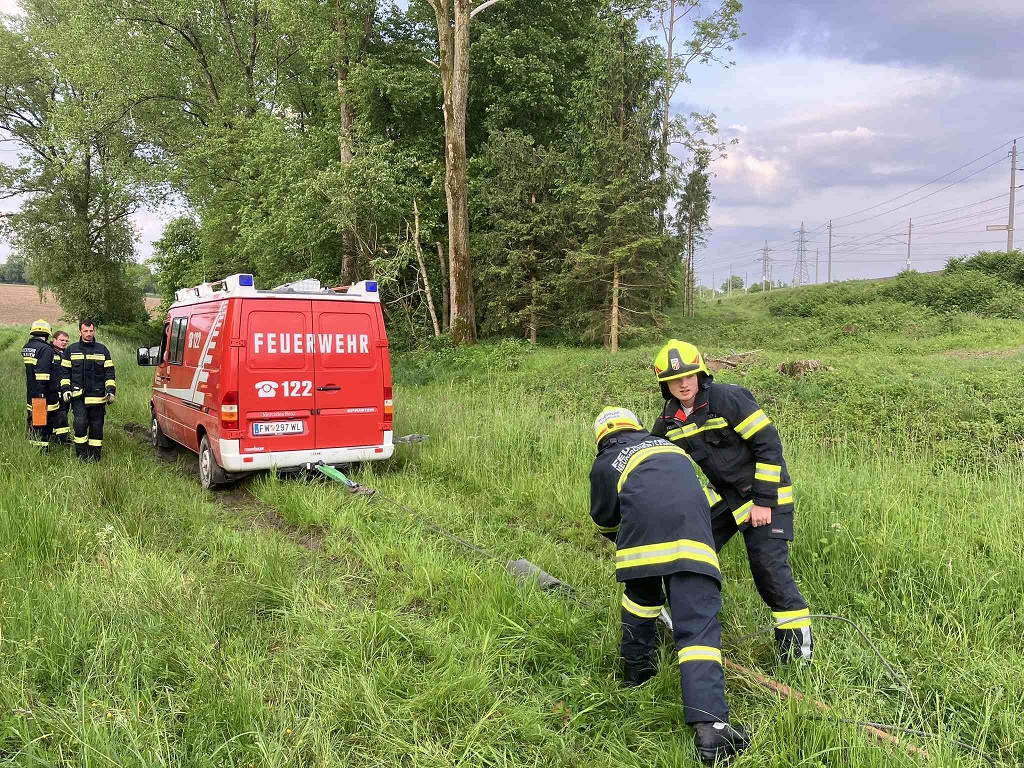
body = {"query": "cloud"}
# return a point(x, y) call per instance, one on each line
point(957, 35)
point(747, 176)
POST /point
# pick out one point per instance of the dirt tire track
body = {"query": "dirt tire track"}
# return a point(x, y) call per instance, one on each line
point(239, 502)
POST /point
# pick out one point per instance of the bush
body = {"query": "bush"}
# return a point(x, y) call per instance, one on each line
point(959, 290)
point(1006, 266)
point(807, 302)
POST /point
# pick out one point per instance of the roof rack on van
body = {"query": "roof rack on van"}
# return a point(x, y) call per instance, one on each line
point(233, 285)
point(244, 285)
point(365, 289)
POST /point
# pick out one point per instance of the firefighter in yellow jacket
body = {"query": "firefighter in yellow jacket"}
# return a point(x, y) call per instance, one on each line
point(41, 380)
point(735, 444)
point(92, 388)
point(644, 496)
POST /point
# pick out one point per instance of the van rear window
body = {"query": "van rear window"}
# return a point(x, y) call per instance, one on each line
point(279, 340)
point(345, 339)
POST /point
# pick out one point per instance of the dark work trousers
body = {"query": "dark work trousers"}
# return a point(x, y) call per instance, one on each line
point(694, 600)
point(58, 424)
point(38, 436)
point(88, 429)
point(768, 555)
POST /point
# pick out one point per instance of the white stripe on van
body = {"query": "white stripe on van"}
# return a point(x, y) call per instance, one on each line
point(201, 375)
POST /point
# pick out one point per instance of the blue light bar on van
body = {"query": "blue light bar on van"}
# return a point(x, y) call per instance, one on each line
point(245, 280)
point(371, 286)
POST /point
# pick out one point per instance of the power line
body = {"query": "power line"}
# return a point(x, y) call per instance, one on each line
point(923, 186)
point(924, 197)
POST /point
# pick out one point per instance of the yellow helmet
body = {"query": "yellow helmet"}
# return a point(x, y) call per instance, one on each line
point(614, 419)
point(678, 359)
point(40, 326)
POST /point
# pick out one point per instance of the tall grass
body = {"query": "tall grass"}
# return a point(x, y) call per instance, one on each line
point(143, 622)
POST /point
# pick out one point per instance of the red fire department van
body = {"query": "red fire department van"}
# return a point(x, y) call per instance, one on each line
point(253, 379)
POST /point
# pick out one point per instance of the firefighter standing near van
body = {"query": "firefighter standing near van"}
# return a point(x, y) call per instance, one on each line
point(40, 376)
point(92, 388)
point(59, 428)
point(735, 444)
point(645, 496)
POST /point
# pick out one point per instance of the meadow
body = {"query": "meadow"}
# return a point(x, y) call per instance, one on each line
point(284, 622)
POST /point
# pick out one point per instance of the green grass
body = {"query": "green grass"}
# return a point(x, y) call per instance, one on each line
point(144, 622)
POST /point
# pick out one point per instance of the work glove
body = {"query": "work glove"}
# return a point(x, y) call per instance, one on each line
point(110, 397)
point(66, 396)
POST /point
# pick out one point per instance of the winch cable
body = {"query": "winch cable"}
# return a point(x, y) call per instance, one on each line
point(525, 572)
point(903, 729)
point(896, 677)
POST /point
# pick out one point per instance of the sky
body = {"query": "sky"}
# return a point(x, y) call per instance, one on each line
point(841, 110)
point(842, 106)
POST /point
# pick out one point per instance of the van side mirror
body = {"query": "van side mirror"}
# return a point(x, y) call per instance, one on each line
point(148, 356)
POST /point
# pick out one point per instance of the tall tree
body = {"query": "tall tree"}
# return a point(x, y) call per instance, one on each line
point(74, 228)
point(453, 18)
point(711, 29)
point(693, 210)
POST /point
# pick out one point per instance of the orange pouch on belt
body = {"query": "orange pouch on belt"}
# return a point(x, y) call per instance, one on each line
point(39, 412)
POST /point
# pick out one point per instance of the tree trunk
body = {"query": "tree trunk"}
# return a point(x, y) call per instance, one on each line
point(666, 116)
point(423, 269)
point(453, 43)
point(690, 308)
point(613, 335)
point(446, 303)
point(533, 311)
point(349, 250)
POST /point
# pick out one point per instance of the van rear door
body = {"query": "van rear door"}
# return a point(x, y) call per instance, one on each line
point(275, 377)
point(349, 378)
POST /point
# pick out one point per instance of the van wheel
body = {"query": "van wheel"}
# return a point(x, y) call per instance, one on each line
point(211, 475)
point(156, 435)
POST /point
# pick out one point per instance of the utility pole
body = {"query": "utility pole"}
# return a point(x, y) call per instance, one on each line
point(764, 266)
point(830, 250)
point(1008, 226)
point(1013, 189)
point(910, 231)
point(817, 256)
point(800, 271)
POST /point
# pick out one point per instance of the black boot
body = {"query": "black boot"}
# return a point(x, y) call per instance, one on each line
point(795, 645)
point(82, 451)
point(637, 671)
point(719, 741)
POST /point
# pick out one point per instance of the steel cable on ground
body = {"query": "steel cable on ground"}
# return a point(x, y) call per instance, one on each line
point(894, 675)
point(903, 729)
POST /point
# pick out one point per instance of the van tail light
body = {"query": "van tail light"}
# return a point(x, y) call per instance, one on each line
point(229, 410)
point(389, 408)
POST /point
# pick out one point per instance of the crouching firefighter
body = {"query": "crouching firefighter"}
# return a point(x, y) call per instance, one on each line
point(92, 388)
point(735, 444)
point(42, 373)
point(644, 496)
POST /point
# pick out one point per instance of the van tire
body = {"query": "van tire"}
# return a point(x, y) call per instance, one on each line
point(211, 475)
point(156, 435)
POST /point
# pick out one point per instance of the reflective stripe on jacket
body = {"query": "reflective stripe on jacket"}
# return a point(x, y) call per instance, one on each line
point(734, 443)
point(645, 496)
point(40, 371)
point(92, 371)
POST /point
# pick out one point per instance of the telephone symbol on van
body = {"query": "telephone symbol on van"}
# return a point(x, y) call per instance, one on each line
point(291, 388)
point(266, 388)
